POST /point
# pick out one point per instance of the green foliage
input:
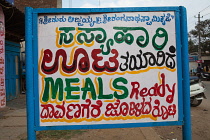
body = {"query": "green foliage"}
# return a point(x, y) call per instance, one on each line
point(192, 47)
point(204, 34)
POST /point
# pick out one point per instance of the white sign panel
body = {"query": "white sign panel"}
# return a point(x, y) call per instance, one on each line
point(107, 68)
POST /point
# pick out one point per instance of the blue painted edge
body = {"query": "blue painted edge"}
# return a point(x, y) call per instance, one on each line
point(35, 61)
point(179, 66)
point(186, 82)
point(29, 75)
point(100, 10)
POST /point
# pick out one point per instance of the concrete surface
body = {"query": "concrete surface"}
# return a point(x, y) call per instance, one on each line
point(13, 126)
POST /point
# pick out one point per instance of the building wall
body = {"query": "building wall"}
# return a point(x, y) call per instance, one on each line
point(205, 58)
point(12, 69)
point(59, 3)
point(193, 66)
point(21, 4)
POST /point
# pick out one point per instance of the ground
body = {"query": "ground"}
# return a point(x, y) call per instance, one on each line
point(200, 126)
point(200, 120)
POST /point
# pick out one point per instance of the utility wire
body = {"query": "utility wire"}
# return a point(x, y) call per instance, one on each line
point(192, 24)
point(5, 6)
point(206, 14)
point(204, 8)
point(13, 11)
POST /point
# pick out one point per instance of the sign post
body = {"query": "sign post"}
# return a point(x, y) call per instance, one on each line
point(29, 78)
point(186, 82)
point(106, 68)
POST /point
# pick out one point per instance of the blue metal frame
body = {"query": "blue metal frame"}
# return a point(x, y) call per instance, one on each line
point(29, 76)
point(179, 65)
point(32, 69)
point(186, 82)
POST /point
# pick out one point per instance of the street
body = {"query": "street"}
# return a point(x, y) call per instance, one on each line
point(200, 125)
point(200, 119)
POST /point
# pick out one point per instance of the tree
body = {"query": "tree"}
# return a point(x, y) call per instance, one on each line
point(205, 36)
point(191, 46)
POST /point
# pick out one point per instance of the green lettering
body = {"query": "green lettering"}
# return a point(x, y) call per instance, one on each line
point(101, 95)
point(120, 87)
point(58, 85)
point(89, 87)
point(66, 37)
point(70, 88)
point(161, 33)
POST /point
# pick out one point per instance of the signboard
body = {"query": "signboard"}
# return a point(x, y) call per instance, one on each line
point(115, 69)
point(2, 60)
point(200, 61)
point(106, 68)
point(193, 58)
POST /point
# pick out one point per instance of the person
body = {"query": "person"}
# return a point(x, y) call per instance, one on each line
point(199, 71)
point(207, 68)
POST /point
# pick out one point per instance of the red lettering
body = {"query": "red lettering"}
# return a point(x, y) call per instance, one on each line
point(156, 90)
point(71, 111)
point(170, 98)
point(96, 111)
point(135, 90)
point(83, 66)
point(143, 91)
point(106, 67)
point(162, 86)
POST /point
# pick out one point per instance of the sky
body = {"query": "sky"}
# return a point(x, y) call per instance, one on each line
point(193, 6)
